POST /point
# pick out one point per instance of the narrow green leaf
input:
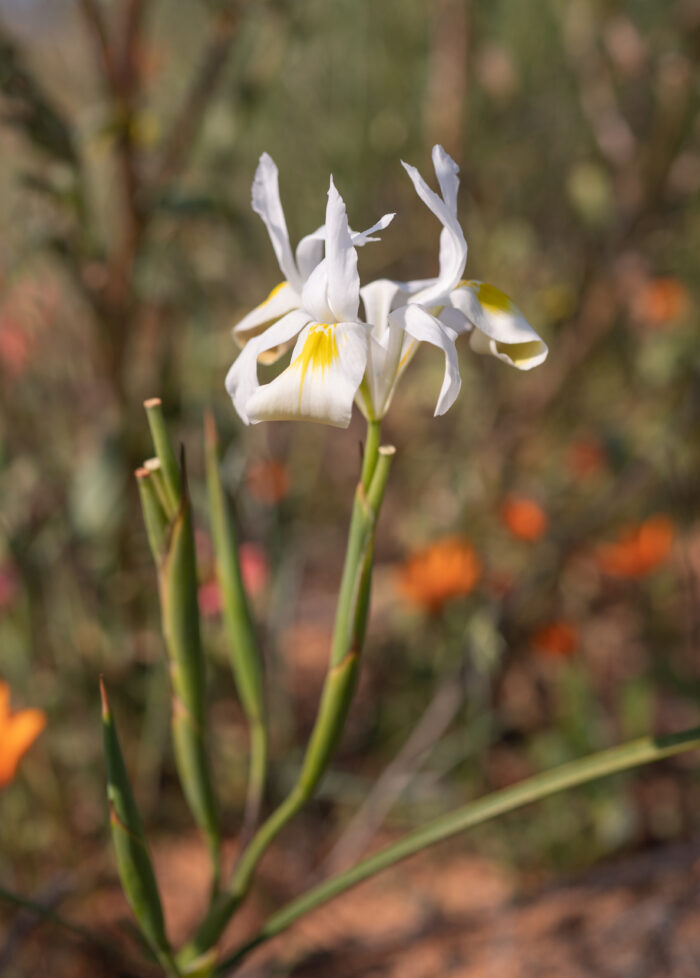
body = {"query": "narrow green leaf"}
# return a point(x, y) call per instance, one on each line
point(133, 861)
point(646, 750)
point(177, 575)
point(246, 661)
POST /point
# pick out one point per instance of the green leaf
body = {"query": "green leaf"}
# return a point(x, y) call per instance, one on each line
point(133, 861)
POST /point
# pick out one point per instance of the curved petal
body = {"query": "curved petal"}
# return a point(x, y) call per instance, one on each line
point(267, 204)
point(320, 383)
point(447, 172)
point(423, 327)
point(310, 251)
point(314, 295)
point(341, 260)
point(505, 333)
point(281, 300)
point(453, 247)
point(378, 297)
point(360, 238)
point(242, 378)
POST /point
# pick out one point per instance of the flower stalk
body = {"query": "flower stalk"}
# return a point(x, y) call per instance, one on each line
point(171, 538)
point(246, 661)
point(336, 697)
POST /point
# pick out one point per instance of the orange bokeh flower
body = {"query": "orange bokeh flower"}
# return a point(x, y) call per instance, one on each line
point(661, 300)
point(524, 518)
point(559, 639)
point(448, 568)
point(638, 550)
point(268, 481)
point(18, 731)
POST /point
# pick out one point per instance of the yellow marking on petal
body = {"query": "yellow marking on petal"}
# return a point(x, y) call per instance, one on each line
point(520, 353)
point(491, 298)
point(407, 356)
point(274, 292)
point(319, 352)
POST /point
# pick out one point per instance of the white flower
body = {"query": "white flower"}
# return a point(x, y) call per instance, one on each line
point(438, 310)
point(330, 354)
point(296, 268)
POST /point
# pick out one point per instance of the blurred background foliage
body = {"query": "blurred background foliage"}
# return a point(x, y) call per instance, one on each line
point(562, 614)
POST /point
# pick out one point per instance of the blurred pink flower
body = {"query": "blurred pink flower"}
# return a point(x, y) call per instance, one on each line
point(255, 570)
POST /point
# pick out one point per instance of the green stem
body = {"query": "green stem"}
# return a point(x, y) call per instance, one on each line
point(371, 452)
point(336, 697)
point(246, 661)
point(617, 759)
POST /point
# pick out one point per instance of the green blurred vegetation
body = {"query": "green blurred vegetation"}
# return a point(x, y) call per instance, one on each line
point(129, 250)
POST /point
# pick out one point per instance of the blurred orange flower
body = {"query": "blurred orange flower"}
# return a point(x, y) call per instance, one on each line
point(524, 518)
point(638, 550)
point(661, 300)
point(558, 638)
point(268, 481)
point(18, 731)
point(448, 568)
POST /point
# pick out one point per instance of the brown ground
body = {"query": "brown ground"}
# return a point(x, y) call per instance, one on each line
point(448, 914)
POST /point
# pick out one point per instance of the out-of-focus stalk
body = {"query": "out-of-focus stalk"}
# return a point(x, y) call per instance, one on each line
point(246, 661)
point(164, 451)
point(171, 537)
point(338, 689)
point(133, 861)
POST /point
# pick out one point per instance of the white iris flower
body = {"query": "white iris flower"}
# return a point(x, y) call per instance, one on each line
point(339, 357)
point(329, 358)
point(438, 310)
point(296, 268)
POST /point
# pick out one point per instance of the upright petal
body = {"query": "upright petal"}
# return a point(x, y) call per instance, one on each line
point(320, 383)
point(423, 327)
point(447, 172)
point(341, 259)
point(500, 327)
point(267, 204)
point(453, 247)
point(281, 300)
point(242, 378)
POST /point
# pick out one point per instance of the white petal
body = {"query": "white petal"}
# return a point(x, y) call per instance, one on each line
point(310, 251)
point(310, 248)
point(242, 378)
point(360, 238)
point(378, 298)
point(426, 329)
point(447, 172)
point(506, 333)
point(266, 203)
point(341, 259)
point(314, 295)
point(281, 300)
point(453, 247)
point(320, 383)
